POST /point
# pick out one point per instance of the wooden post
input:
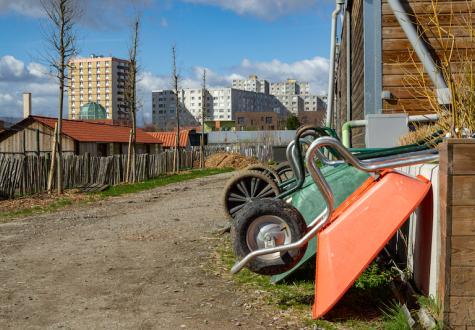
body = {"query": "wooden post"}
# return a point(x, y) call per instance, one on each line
point(456, 286)
point(53, 160)
point(38, 148)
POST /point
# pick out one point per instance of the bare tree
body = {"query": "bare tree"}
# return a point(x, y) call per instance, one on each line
point(61, 38)
point(203, 116)
point(130, 99)
point(176, 78)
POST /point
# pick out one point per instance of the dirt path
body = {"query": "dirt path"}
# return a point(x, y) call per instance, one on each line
point(133, 262)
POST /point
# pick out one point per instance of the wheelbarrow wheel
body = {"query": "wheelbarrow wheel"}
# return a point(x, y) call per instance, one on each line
point(284, 171)
point(268, 223)
point(246, 187)
point(266, 170)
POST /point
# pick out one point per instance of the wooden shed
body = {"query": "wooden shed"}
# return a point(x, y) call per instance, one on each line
point(34, 135)
point(381, 57)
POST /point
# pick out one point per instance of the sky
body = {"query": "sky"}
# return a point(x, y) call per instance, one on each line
point(275, 39)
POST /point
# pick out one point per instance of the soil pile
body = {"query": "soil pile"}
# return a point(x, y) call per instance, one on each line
point(228, 160)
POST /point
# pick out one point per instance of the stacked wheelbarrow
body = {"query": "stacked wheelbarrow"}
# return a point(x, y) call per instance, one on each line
point(358, 195)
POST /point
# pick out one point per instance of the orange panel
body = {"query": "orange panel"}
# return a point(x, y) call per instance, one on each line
point(356, 236)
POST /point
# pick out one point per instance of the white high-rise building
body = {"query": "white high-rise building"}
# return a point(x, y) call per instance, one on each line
point(253, 84)
point(220, 104)
point(99, 80)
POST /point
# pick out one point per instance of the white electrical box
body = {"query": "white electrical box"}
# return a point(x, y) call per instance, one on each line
point(384, 131)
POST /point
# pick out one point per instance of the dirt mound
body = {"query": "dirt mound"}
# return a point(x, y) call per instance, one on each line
point(228, 160)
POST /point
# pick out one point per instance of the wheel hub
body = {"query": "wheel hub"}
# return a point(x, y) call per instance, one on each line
point(266, 232)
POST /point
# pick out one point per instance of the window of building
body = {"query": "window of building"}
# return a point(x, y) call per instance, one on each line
point(268, 120)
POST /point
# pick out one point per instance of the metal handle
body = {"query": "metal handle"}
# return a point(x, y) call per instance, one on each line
point(322, 184)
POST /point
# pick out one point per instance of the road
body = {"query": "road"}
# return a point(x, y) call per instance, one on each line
point(138, 261)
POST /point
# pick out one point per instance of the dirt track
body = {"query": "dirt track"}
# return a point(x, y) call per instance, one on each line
point(133, 262)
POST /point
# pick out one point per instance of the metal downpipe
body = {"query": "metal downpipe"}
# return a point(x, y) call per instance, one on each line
point(422, 51)
point(331, 74)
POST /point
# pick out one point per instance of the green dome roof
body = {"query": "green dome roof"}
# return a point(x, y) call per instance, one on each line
point(92, 111)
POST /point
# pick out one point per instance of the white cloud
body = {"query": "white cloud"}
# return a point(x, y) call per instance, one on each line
point(314, 70)
point(267, 9)
point(11, 68)
point(17, 77)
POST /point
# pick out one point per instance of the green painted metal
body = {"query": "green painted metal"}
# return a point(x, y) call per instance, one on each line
point(343, 181)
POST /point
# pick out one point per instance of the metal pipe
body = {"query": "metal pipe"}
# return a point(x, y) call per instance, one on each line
point(421, 50)
point(346, 130)
point(331, 74)
point(322, 184)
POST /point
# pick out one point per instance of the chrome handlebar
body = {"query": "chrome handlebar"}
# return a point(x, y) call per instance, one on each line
point(321, 220)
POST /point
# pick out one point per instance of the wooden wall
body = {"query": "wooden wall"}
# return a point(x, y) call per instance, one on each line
point(357, 74)
point(398, 67)
point(457, 217)
point(26, 140)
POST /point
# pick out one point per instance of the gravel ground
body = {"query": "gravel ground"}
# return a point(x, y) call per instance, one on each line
point(134, 262)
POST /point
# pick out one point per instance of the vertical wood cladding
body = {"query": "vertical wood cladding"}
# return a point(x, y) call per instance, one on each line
point(456, 287)
point(398, 64)
point(357, 73)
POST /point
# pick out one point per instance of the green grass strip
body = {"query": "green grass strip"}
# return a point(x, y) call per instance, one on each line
point(160, 181)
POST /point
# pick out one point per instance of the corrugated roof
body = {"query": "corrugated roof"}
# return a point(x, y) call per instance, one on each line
point(168, 138)
point(85, 131)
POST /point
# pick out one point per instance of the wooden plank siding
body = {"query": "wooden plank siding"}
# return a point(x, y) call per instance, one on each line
point(357, 74)
point(26, 140)
point(456, 290)
point(401, 67)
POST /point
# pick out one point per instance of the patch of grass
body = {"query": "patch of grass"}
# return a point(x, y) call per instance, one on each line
point(395, 318)
point(360, 308)
point(433, 307)
point(374, 277)
point(53, 206)
point(160, 181)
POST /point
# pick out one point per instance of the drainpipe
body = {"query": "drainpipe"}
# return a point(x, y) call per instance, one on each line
point(346, 128)
point(420, 47)
point(331, 78)
point(348, 64)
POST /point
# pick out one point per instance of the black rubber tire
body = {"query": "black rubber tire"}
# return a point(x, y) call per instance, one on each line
point(244, 177)
point(284, 171)
point(266, 170)
point(275, 207)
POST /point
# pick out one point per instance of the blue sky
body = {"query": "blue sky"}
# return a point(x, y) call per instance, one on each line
point(276, 39)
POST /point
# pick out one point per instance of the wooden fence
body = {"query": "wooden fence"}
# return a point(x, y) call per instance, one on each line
point(24, 175)
point(262, 152)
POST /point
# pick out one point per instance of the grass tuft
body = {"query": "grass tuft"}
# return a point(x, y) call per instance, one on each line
point(395, 318)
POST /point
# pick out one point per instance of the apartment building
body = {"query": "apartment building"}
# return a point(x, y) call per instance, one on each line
point(286, 87)
point(313, 103)
point(220, 104)
point(253, 84)
point(100, 80)
point(291, 102)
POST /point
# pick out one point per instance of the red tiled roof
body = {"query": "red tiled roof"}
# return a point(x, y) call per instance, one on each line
point(84, 131)
point(168, 138)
